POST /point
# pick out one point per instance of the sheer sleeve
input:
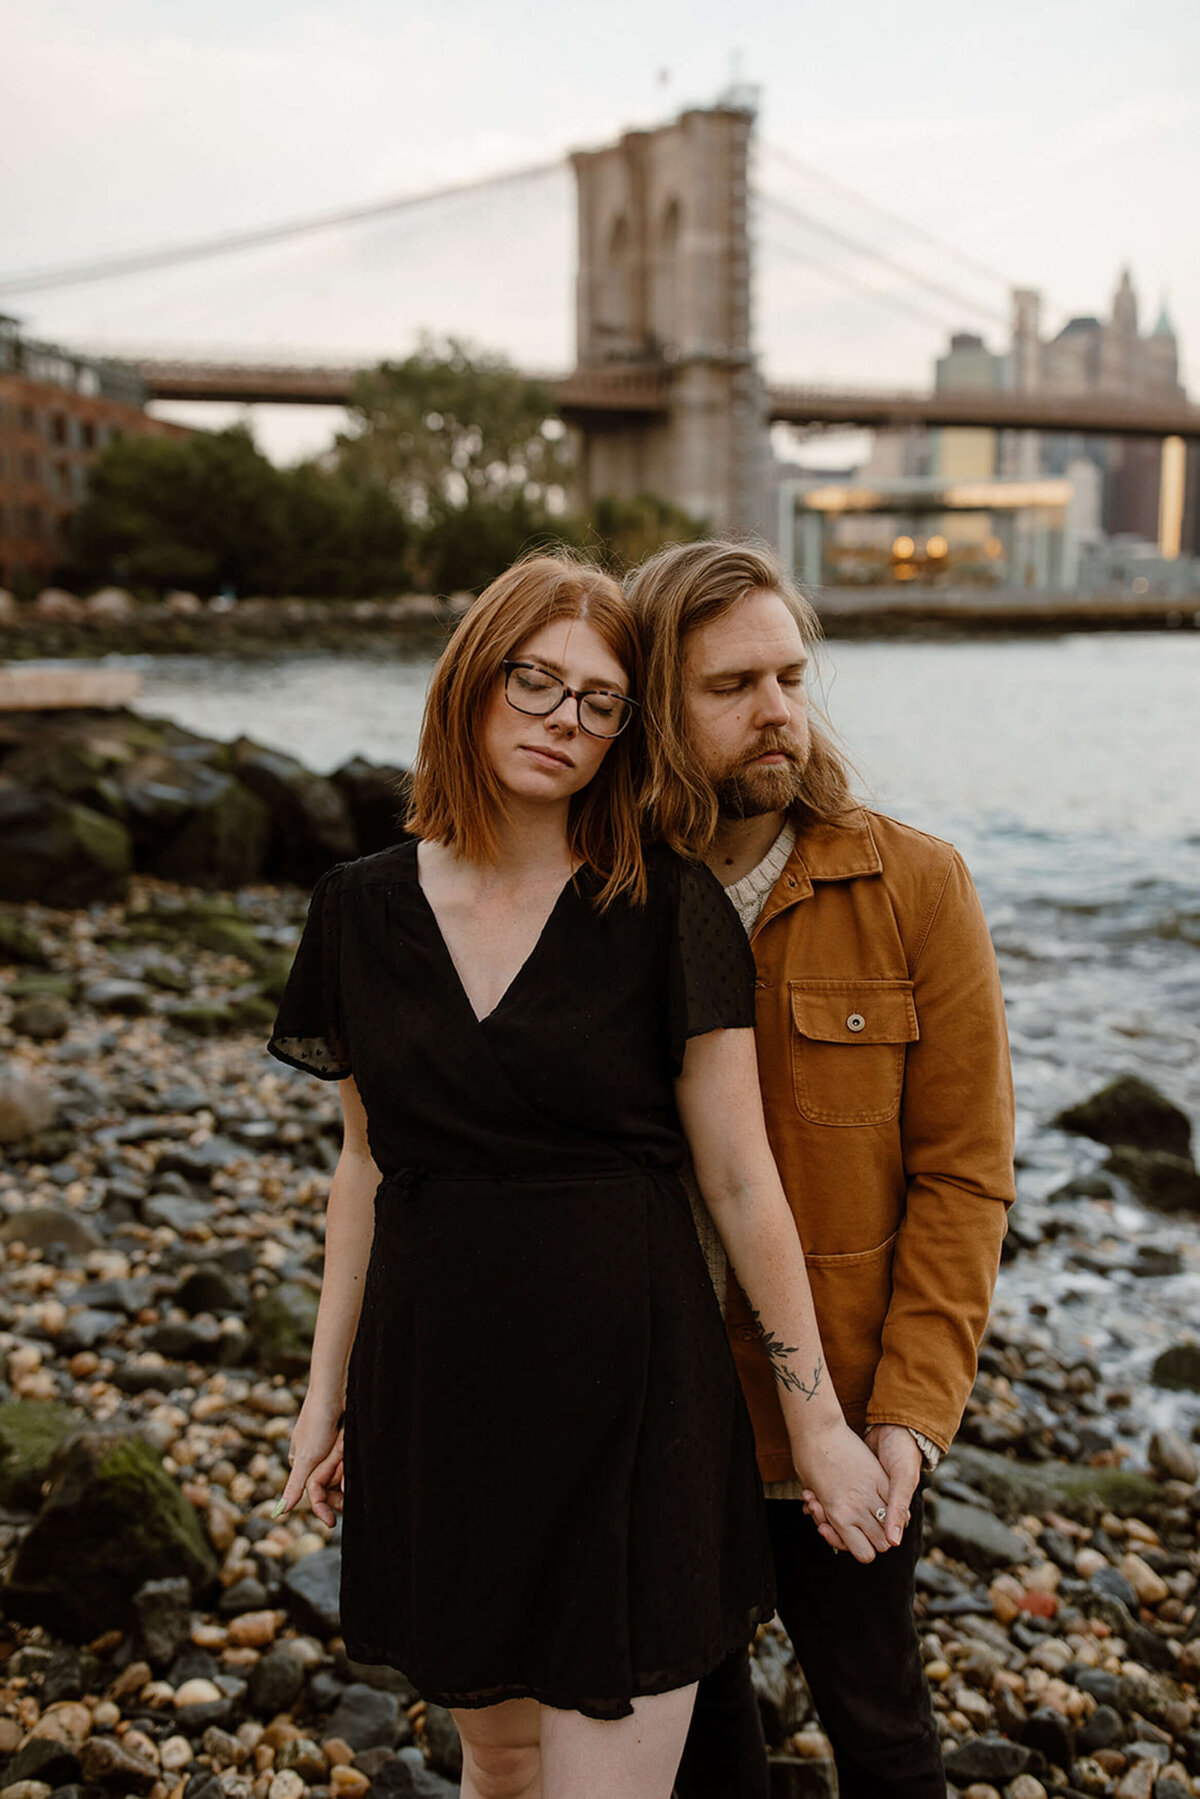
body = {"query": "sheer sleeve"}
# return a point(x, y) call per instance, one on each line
point(712, 966)
point(308, 1030)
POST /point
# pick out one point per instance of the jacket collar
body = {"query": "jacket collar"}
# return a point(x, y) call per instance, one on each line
point(823, 853)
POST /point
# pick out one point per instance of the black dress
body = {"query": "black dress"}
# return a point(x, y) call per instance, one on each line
point(550, 1489)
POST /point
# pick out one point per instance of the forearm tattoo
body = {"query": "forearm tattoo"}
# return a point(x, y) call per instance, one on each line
point(778, 1354)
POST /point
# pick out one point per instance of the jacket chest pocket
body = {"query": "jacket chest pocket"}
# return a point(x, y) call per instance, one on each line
point(848, 1045)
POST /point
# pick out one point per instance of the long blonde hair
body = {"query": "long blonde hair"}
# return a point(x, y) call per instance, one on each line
point(455, 795)
point(674, 592)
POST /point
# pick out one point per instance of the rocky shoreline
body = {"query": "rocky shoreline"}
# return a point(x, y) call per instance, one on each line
point(161, 1216)
point(58, 623)
point(88, 797)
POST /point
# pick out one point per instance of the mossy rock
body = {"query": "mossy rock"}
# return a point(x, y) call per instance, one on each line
point(168, 978)
point(60, 853)
point(19, 942)
point(282, 1325)
point(254, 1013)
point(113, 1519)
point(32, 1431)
point(273, 971)
point(203, 1017)
point(1038, 1487)
point(1167, 1182)
point(1178, 1368)
point(1131, 1113)
point(220, 928)
point(28, 986)
point(223, 844)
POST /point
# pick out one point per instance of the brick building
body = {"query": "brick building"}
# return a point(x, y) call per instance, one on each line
point(58, 411)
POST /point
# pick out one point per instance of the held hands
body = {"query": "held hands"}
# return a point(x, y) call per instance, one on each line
point(899, 1457)
point(846, 1492)
point(316, 1459)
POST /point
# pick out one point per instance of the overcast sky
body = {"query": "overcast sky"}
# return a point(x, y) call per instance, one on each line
point(1047, 142)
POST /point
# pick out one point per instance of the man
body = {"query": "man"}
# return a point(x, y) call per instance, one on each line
point(885, 1077)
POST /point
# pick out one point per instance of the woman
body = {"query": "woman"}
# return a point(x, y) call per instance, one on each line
point(553, 1523)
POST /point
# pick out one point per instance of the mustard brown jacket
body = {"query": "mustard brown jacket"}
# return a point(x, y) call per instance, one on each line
point(883, 1056)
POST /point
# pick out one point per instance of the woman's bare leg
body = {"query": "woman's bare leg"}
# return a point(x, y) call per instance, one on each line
point(501, 1756)
point(625, 1758)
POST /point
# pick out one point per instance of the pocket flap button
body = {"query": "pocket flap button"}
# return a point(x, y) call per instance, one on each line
point(856, 1022)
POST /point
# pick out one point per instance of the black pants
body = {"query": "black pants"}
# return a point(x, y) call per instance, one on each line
point(851, 1625)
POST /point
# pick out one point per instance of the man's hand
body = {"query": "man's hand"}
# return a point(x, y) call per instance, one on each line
point(899, 1455)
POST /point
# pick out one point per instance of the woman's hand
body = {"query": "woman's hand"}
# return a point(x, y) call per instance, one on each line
point(850, 1488)
point(316, 1459)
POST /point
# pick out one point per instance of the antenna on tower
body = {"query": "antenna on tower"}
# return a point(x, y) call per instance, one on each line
point(739, 95)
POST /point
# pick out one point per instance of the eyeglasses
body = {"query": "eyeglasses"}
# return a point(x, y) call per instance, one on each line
point(534, 690)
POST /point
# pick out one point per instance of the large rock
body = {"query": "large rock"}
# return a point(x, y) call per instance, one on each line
point(312, 1590)
point(1130, 1113)
point(40, 1226)
point(779, 1688)
point(222, 835)
point(277, 1681)
point(42, 1016)
point(20, 942)
point(112, 1521)
point(74, 756)
point(110, 606)
point(1178, 1368)
point(26, 1103)
point(1167, 1182)
point(443, 1742)
point(974, 1536)
point(57, 852)
point(311, 827)
point(1038, 1487)
point(164, 1615)
point(43, 1758)
point(991, 1759)
point(365, 1718)
point(211, 1288)
point(377, 797)
point(57, 605)
point(32, 1431)
point(282, 1325)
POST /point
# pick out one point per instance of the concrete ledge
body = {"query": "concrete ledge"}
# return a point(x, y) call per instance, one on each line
point(26, 689)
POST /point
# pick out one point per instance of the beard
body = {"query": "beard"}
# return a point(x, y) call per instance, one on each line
point(746, 791)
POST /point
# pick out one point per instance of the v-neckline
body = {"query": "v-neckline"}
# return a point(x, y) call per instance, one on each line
point(486, 1018)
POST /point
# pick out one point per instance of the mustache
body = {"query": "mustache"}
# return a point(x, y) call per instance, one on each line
point(774, 743)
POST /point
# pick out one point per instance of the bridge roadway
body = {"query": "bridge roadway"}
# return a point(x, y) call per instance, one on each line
point(639, 388)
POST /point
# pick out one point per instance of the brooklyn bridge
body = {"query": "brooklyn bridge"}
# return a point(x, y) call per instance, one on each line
point(667, 394)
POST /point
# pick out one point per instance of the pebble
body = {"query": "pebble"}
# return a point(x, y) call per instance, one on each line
point(1150, 1587)
point(348, 1783)
point(288, 1785)
point(175, 1753)
point(197, 1692)
point(253, 1629)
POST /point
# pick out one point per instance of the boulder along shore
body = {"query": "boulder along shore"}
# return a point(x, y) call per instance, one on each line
point(162, 1185)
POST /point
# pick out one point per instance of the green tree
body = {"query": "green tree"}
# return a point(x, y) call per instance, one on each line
point(451, 427)
point(209, 511)
point(621, 533)
point(200, 511)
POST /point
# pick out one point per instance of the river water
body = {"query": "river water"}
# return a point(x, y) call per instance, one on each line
point(1068, 772)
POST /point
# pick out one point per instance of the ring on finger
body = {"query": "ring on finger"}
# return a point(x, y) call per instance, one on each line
point(881, 1513)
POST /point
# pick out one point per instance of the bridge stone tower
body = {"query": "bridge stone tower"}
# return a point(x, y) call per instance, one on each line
point(663, 312)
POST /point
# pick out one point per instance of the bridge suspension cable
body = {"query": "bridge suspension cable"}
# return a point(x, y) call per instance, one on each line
point(796, 215)
point(137, 262)
point(840, 275)
point(844, 191)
